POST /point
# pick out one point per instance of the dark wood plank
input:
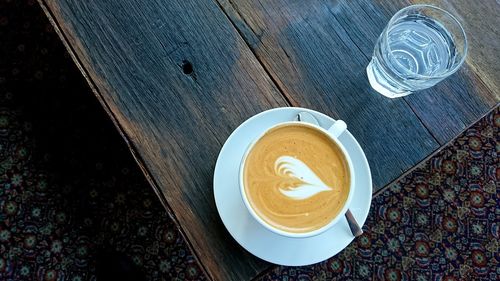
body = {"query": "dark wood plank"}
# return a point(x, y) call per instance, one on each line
point(175, 122)
point(295, 39)
point(458, 101)
point(316, 63)
point(136, 57)
point(481, 21)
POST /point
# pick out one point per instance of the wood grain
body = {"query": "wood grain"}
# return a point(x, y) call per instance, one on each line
point(178, 77)
point(327, 44)
point(175, 117)
point(480, 21)
point(316, 63)
point(458, 101)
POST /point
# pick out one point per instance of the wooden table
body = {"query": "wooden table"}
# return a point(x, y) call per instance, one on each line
point(178, 76)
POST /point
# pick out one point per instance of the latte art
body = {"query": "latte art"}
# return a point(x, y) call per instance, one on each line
point(296, 178)
point(311, 184)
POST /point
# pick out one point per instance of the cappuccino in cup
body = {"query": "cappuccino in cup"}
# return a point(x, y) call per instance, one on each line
point(296, 179)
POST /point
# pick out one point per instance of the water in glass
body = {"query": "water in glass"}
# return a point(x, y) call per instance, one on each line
point(415, 53)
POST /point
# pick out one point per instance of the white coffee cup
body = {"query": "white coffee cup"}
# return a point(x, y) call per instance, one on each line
point(333, 133)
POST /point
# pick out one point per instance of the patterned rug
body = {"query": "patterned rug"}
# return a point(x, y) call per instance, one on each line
point(440, 222)
point(71, 194)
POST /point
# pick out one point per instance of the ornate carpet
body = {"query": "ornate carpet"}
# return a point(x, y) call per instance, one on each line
point(71, 195)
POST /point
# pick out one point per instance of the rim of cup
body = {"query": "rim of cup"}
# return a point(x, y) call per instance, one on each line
point(315, 232)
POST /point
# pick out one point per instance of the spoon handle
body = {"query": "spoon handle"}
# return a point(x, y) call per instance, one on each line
point(353, 225)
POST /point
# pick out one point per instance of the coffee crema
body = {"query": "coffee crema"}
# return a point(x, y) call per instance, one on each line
point(296, 178)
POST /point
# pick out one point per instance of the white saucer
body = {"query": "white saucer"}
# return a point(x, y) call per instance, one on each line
point(254, 237)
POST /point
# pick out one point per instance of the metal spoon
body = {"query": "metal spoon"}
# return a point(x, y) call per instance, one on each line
point(353, 224)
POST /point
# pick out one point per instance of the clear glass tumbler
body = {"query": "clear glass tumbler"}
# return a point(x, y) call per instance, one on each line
point(420, 46)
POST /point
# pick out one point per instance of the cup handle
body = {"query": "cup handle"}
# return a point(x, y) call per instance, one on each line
point(337, 128)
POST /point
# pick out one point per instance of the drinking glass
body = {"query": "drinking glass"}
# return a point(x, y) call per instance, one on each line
point(420, 46)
